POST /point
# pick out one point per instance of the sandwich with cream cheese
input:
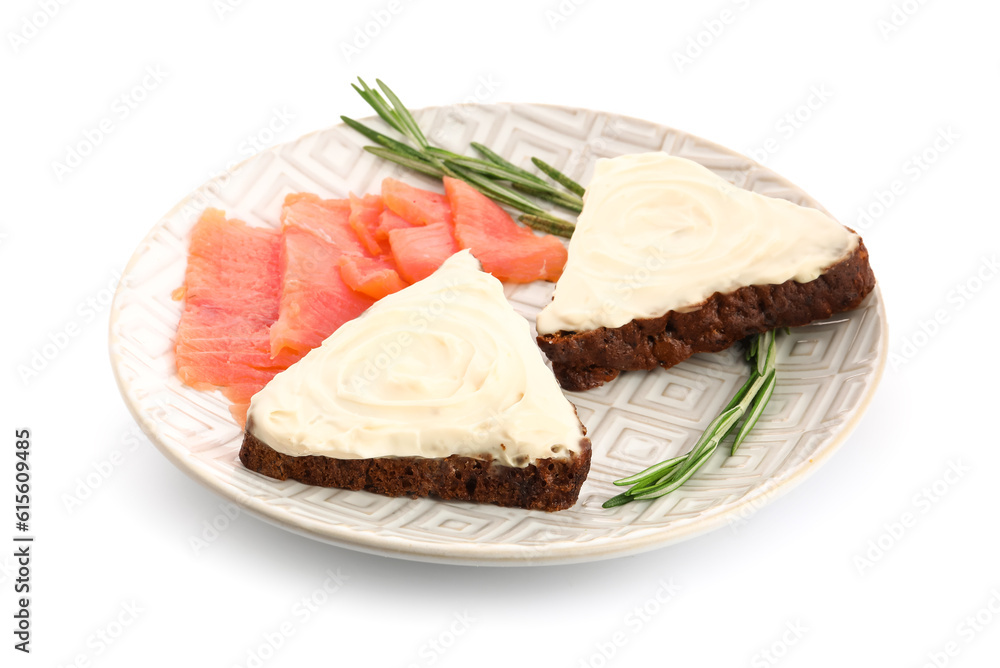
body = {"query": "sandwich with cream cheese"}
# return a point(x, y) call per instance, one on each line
point(668, 259)
point(436, 390)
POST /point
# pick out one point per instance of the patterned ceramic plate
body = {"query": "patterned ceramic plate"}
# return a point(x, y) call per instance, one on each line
point(828, 371)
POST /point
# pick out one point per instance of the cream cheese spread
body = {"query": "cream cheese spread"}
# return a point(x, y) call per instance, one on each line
point(445, 366)
point(660, 233)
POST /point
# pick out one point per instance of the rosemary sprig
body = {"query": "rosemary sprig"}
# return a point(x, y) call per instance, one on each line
point(488, 175)
point(749, 401)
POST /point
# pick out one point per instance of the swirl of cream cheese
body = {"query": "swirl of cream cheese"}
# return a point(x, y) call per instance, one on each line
point(660, 233)
point(445, 366)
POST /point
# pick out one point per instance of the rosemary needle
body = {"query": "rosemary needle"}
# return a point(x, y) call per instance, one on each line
point(759, 402)
point(548, 224)
point(748, 403)
point(496, 159)
point(653, 471)
point(415, 165)
point(559, 177)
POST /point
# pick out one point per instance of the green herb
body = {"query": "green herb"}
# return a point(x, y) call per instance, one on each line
point(559, 177)
point(749, 401)
point(559, 199)
point(493, 176)
point(559, 228)
point(415, 165)
point(498, 160)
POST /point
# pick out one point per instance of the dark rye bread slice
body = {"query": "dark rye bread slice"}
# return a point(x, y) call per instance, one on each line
point(547, 484)
point(584, 360)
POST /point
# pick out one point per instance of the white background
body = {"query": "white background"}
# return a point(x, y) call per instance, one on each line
point(805, 579)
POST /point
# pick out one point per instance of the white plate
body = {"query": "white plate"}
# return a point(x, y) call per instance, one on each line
point(828, 371)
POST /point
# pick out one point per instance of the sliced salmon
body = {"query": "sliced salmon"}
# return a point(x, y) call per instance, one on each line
point(231, 290)
point(374, 277)
point(365, 215)
point(315, 300)
point(388, 221)
point(415, 205)
point(511, 252)
point(418, 251)
point(328, 219)
point(256, 299)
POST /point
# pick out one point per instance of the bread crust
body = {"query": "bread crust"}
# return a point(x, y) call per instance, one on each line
point(584, 360)
point(547, 484)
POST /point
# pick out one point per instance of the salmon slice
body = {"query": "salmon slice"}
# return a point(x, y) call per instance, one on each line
point(365, 215)
point(239, 412)
point(232, 288)
point(327, 219)
point(388, 221)
point(314, 299)
point(374, 277)
point(415, 205)
point(418, 251)
point(512, 253)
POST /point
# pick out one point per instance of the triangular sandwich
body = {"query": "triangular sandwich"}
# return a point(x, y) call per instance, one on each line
point(669, 259)
point(436, 390)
